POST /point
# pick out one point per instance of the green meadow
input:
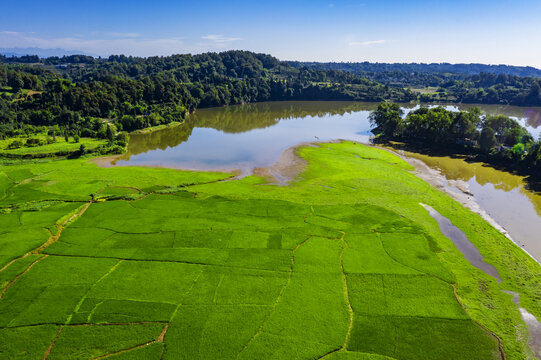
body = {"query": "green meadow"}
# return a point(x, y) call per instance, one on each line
point(343, 263)
point(59, 147)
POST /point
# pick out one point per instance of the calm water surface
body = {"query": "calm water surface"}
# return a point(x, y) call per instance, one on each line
point(249, 136)
point(254, 135)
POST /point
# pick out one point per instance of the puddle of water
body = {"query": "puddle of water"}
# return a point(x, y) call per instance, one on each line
point(534, 326)
point(470, 252)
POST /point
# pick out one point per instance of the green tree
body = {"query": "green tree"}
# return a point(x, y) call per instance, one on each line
point(518, 149)
point(123, 136)
point(488, 139)
point(387, 120)
point(506, 130)
point(109, 134)
point(465, 124)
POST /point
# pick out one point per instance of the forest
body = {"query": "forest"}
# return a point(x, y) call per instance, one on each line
point(461, 83)
point(433, 68)
point(82, 96)
point(134, 93)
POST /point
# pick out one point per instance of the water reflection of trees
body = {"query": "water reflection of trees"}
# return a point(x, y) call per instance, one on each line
point(238, 119)
point(532, 115)
point(159, 139)
point(460, 169)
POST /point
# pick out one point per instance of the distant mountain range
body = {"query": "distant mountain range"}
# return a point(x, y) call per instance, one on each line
point(42, 53)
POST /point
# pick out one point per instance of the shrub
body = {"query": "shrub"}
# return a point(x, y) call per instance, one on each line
point(15, 144)
point(31, 142)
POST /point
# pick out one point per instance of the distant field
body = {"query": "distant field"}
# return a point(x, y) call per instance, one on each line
point(6, 90)
point(426, 90)
point(142, 263)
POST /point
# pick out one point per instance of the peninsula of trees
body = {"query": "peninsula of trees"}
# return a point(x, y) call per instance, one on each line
point(497, 139)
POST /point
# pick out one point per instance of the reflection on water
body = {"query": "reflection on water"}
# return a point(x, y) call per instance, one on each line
point(248, 136)
point(501, 194)
point(533, 117)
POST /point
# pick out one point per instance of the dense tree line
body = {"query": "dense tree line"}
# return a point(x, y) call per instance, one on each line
point(360, 68)
point(498, 138)
point(493, 89)
point(135, 93)
point(467, 83)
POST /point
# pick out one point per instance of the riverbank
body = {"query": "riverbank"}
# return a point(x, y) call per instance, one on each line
point(503, 199)
point(437, 180)
point(157, 127)
point(288, 165)
point(531, 176)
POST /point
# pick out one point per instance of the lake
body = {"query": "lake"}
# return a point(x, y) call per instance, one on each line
point(244, 137)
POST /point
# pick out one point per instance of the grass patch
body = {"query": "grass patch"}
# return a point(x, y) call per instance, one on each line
point(59, 147)
point(84, 342)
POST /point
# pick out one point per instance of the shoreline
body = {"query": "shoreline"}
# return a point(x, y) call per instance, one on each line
point(462, 195)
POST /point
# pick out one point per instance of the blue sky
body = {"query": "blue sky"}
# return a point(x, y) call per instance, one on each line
point(495, 32)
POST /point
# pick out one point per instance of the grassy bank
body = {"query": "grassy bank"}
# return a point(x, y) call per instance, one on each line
point(60, 147)
point(343, 263)
point(158, 127)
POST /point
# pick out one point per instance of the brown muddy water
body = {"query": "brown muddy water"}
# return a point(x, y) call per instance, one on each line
point(253, 136)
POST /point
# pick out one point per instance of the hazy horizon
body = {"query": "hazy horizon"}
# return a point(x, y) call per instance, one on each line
point(486, 32)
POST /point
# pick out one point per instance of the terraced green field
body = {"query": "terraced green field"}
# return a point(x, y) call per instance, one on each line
point(141, 263)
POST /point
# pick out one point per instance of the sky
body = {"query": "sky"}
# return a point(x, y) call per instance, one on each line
point(455, 31)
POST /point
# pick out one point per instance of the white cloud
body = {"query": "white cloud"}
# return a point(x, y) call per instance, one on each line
point(5, 32)
point(124, 34)
point(367, 43)
point(221, 39)
point(136, 46)
point(107, 43)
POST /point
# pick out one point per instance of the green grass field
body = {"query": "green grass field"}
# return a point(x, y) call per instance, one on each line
point(148, 263)
point(61, 146)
